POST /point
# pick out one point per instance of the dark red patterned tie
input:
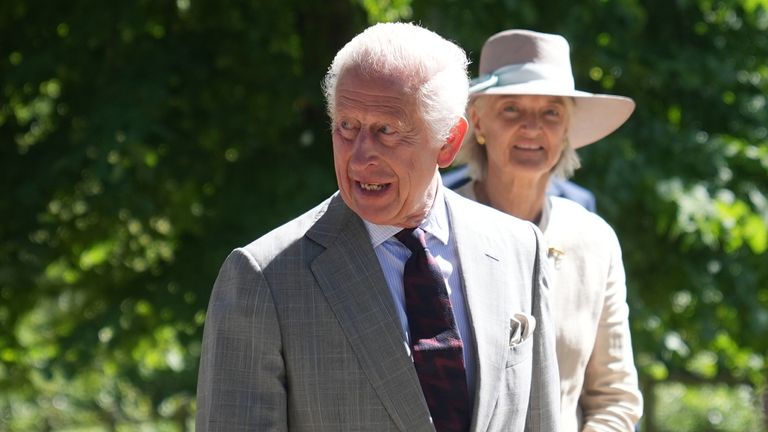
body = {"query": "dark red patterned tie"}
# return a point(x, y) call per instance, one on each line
point(435, 341)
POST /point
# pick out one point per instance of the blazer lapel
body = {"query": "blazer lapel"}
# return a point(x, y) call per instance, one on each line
point(486, 298)
point(349, 274)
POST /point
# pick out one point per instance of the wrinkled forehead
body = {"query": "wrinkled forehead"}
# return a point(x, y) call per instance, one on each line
point(394, 78)
point(358, 88)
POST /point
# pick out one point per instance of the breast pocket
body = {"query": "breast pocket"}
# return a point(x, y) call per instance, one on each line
point(521, 352)
point(515, 391)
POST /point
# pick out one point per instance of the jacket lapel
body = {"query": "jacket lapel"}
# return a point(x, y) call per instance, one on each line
point(349, 274)
point(486, 298)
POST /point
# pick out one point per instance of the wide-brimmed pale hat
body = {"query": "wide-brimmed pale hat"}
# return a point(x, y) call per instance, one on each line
point(530, 63)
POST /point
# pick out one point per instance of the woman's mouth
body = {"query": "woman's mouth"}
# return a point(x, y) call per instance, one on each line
point(528, 147)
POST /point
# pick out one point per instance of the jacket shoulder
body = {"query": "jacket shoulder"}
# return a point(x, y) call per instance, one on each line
point(574, 214)
point(493, 225)
point(287, 234)
point(484, 215)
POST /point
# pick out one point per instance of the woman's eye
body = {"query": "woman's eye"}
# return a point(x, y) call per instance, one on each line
point(510, 108)
point(387, 130)
point(553, 114)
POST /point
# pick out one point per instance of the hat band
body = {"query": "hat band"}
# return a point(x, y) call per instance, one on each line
point(521, 73)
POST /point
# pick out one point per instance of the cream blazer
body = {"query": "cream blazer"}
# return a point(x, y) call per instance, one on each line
point(598, 381)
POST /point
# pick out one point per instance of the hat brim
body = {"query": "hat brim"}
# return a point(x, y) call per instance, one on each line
point(594, 115)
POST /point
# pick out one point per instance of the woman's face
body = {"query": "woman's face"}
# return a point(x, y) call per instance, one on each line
point(524, 134)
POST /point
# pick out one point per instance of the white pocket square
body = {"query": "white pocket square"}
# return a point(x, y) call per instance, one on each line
point(521, 327)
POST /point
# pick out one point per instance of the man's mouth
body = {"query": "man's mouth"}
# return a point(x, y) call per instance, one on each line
point(373, 187)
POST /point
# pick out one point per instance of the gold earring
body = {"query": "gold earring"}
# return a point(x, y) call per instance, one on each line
point(480, 139)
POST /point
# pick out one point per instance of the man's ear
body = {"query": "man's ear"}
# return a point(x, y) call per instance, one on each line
point(452, 144)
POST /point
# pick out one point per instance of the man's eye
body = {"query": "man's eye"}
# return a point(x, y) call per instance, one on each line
point(510, 109)
point(347, 129)
point(387, 130)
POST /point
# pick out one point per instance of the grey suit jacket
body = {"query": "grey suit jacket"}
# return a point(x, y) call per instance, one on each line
point(302, 334)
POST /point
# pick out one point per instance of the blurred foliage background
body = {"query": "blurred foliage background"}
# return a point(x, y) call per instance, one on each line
point(140, 141)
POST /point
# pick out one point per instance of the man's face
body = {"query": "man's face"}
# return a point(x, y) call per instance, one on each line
point(386, 161)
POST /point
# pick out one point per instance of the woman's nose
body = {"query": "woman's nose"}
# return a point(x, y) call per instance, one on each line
point(531, 121)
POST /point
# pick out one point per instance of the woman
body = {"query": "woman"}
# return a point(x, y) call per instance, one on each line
point(527, 120)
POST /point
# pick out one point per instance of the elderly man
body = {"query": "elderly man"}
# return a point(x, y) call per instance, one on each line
point(395, 305)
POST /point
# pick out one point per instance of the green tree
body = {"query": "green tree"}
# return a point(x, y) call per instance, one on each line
point(684, 182)
point(140, 141)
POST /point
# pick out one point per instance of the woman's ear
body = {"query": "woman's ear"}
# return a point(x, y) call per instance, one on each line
point(452, 144)
point(474, 117)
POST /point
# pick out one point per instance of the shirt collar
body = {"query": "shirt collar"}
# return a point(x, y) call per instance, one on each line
point(436, 222)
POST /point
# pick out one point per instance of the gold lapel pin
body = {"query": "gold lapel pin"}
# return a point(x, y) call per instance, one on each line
point(555, 254)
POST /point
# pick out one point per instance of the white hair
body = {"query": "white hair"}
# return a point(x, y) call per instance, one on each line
point(476, 156)
point(431, 67)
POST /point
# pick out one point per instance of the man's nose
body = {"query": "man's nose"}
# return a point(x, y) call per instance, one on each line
point(365, 151)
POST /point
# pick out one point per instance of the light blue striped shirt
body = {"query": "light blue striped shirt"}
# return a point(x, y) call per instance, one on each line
point(392, 256)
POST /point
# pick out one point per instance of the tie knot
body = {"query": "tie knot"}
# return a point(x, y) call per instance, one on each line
point(413, 239)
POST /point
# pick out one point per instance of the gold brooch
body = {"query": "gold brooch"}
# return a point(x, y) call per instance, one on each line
point(556, 255)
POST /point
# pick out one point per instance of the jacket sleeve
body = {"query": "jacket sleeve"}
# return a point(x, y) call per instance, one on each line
point(611, 398)
point(241, 381)
point(544, 407)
